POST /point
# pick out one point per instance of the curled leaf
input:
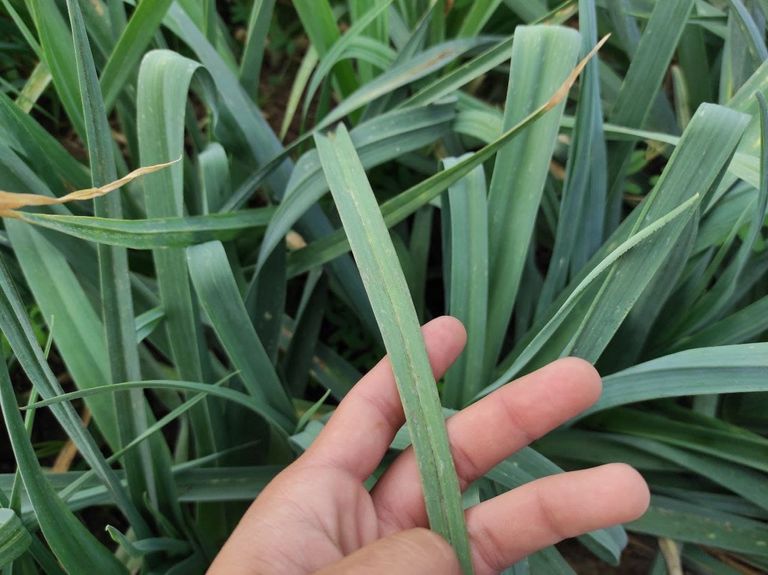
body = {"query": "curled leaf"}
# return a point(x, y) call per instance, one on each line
point(12, 201)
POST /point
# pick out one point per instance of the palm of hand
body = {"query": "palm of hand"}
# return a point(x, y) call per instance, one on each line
point(317, 513)
point(301, 534)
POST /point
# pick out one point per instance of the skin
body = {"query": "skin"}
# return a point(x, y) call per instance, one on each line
point(317, 516)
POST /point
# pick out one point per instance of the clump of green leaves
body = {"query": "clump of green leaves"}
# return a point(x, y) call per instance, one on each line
point(201, 312)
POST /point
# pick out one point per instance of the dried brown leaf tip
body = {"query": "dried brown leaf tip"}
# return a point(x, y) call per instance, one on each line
point(12, 201)
point(562, 92)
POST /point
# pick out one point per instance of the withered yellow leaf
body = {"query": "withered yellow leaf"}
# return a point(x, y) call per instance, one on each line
point(12, 201)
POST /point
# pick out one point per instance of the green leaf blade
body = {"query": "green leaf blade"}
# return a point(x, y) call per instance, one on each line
point(521, 168)
point(14, 538)
point(393, 308)
point(76, 548)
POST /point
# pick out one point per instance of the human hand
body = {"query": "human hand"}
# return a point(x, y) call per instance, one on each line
point(317, 514)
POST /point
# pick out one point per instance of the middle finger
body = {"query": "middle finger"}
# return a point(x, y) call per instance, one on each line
point(487, 432)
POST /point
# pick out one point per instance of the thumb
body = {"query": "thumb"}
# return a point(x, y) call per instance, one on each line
point(412, 552)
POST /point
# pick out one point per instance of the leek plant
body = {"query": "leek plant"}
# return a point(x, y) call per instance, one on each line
point(585, 178)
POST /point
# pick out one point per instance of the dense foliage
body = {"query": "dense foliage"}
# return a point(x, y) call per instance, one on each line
point(208, 317)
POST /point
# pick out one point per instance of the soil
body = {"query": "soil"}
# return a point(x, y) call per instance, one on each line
point(636, 559)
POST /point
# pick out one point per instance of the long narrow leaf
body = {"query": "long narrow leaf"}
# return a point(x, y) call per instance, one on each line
point(76, 548)
point(725, 369)
point(253, 53)
point(58, 51)
point(683, 212)
point(688, 522)
point(406, 203)
point(334, 54)
point(164, 81)
point(14, 537)
point(521, 168)
point(220, 298)
point(586, 333)
point(154, 233)
point(377, 141)
point(580, 229)
point(133, 41)
point(640, 86)
point(388, 291)
point(17, 329)
point(261, 146)
point(116, 300)
point(468, 277)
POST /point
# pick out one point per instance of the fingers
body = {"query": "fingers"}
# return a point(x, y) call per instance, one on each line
point(360, 431)
point(490, 430)
point(412, 552)
point(509, 527)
